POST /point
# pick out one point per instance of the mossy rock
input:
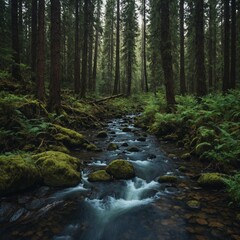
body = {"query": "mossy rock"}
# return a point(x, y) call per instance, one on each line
point(133, 149)
point(121, 169)
point(186, 156)
point(92, 147)
point(211, 180)
point(202, 148)
point(167, 179)
point(182, 169)
point(58, 169)
point(69, 137)
point(99, 176)
point(17, 172)
point(112, 147)
point(194, 204)
point(102, 134)
point(59, 148)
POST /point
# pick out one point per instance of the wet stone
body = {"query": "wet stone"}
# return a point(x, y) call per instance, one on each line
point(151, 156)
point(126, 129)
point(141, 139)
point(42, 191)
point(18, 214)
point(35, 204)
point(23, 199)
point(201, 221)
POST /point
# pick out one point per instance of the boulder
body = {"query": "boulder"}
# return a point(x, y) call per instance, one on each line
point(167, 179)
point(121, 169)
point(99, 176)
point(102, 134)
point(69, 137)
point(112, 147)
point(17, 172)
point(211, 180)
point(58, 169)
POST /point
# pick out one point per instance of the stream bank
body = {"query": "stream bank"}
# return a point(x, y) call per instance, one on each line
point(140, 208)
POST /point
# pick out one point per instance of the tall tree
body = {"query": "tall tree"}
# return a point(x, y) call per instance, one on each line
point(116, 87)
point(166, 52)
point(183, 89)
point(226, 79)
point(15, 41)
point(130, 28)
point(233, 45)
point(85, 49)
point(199, 41)
point(97, 32)
point(54, 103)
point(34, 39)
point(40, 52)
point(77, 50)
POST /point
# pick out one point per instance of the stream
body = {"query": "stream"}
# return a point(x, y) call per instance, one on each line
point(140, 208)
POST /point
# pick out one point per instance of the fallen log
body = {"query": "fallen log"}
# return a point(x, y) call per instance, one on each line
point(107, 98)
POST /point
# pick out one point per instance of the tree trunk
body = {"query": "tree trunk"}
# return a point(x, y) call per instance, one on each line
point(41, 52)
point(199, 40)
point(144, 47)
point(95, 61)
point(233, 46)
point(15, 41)
point(166, 53)
point(226, 80)
point(54, 87)
point(210, 47)
point(117, 68)
point(183, 89)
point(129, 75)
point(77, 50)
point(34, 39)
point(20, 29)
point(85, 49)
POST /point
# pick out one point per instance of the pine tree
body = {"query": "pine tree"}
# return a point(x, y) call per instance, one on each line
point(34, 39)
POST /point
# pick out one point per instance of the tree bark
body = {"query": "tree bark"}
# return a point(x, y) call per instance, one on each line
point(34, 39)
point(233, 45)
point(40, 86)
point(85, 49)
point(183, 89)
point(15, 41)
point(117, 68)
point(199, 40)
point(77, 50)
point(166, 53)
point(226, 72)
point(144, 47)
point(54, 87)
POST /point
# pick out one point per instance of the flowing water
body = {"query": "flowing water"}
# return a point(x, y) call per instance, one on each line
point(140, 208)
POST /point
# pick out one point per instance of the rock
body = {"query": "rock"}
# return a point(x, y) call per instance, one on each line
point(102, 134)
point(58, 169)
point(172, 156)
point(167, 179)
point(211, 180)
point(17, 172)
point(151, 156)
point(125, 144)
point(133, 149)
point(202, 148)
point(92, 147)
point(61, 148)
point(112, 147)
point(126, 129)
point(193, 204)
point(186, 156)
point(141, 139)
point(99, 176)
point(182, 169)
point(69, 137)
point(201, 221)
point(121, 169)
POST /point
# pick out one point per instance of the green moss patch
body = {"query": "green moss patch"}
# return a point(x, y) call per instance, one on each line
point(211, 180)
point(121, 169)
point(58, 169)
point(99, 176)
point(167, 179)
point(17, 173)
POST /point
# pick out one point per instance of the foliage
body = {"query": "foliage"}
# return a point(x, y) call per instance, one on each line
point(233, 185)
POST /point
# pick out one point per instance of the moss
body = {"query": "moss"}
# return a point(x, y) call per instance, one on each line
point(211, 180)
point(167, 179)
point(92, 147)
point(193, 204)
point(121, 169)
point(99, 176)
point(102, 134)
point(69, 137)
point(202, 148)
point(58, 169)
point(112, 147)
point(186, 156)
point(59, 148)
point(182, 169)
point(17, 173)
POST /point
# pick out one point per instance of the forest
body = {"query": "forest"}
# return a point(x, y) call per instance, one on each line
point(119, 119)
